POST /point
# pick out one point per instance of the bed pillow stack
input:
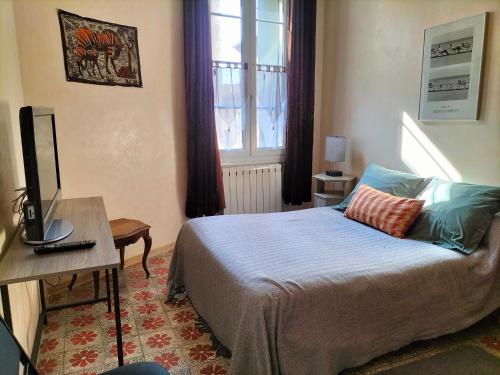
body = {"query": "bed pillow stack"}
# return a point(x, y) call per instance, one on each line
point(396, 183)
point(455, 215)
point(390, 214)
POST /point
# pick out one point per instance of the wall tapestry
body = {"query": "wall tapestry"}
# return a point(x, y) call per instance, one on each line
point(98, 52)
point(451, 70)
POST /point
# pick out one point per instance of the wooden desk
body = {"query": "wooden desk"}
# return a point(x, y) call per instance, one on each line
point(89, 219)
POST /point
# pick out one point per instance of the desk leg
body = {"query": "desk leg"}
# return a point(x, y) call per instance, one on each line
point(95, 275)
point(42, 301)
point(116, 295)
point(4, 289)
point(108, 292)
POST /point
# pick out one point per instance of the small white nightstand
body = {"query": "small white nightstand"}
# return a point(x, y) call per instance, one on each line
point(324, 197)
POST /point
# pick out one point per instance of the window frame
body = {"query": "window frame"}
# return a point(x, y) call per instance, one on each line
point(250, 153)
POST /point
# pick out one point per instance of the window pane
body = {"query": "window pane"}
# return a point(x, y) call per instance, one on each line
point(271, 109)
point(226, 38)
point(270, 43)
point(270, 10)
point(228, 105)
point(229, 7)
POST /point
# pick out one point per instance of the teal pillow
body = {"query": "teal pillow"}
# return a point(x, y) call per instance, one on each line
point(455, 215)
point(397, 183)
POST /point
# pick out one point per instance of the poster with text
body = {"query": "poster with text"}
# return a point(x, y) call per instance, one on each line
point(451, 70)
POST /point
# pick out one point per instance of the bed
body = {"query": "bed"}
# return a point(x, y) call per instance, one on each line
point(311, 292)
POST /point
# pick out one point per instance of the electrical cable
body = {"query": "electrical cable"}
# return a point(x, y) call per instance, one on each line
point(53, 285)
point(17, 207)
point(29, 320)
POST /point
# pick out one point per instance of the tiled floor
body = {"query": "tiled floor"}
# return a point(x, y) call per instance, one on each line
point(81, 340)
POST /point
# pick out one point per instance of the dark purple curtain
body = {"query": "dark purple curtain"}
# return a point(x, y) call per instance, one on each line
point(205, 191)
point(300, 118)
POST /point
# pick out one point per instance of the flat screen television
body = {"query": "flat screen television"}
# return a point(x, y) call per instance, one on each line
point(43, 183)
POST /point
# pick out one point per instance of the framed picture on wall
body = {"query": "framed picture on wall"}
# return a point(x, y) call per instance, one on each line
point(451, 70)
point(99, 52)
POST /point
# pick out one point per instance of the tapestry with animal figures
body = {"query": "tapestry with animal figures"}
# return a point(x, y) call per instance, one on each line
point(98, 52)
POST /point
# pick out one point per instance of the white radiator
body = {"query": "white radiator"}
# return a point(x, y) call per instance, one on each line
point(252, 189)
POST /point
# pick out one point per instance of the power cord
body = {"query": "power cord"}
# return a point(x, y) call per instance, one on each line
point(53, 285)
point(29, 320)
point(17, 207)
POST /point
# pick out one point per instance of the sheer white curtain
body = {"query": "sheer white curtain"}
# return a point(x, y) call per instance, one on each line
point(271, 106)
point(228, 81)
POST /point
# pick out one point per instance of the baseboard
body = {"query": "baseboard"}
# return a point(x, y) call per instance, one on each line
point(62, 284)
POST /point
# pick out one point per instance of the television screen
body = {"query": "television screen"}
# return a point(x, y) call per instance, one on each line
point(46, 160)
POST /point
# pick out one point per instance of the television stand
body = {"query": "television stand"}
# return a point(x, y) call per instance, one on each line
point(59, 229)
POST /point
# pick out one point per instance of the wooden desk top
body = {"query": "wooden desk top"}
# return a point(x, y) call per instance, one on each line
point(89, 219)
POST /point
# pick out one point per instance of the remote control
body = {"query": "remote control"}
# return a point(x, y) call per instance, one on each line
point(65, 246)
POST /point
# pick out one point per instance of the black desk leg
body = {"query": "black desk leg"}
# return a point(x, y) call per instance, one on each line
point(116, 295)
point(42, 301)
point(108, 292)
point(6, 305)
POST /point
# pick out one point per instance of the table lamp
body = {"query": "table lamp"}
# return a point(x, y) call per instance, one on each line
point(334, 152)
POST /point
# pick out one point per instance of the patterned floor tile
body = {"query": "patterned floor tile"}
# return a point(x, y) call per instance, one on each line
point(216, 367)
point(177, 304)
point(159, 341)
point(108, 329)
point(151, 323)
point(125, 312)
point(158, 261)
point(182, 317)
point(140, 284)
point(147, 308)
point(51, 364)
point(149, 294)
point(199, 354)
point(81, 293)
point(84, 359)
point(190, 334)
point(56, 315)
point(83, 320)
point(93, 370)
point(132, 351)
point(83, 337)
point(54, 328)
point(160, 271)
point(172, 360)
point(51, 345)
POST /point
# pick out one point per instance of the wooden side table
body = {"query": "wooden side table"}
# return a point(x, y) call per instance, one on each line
point(128, 231)
point(125, 232)
point(324, 197)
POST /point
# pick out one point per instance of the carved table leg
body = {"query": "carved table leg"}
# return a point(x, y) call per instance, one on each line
point(147, 249)
point(122, 257)
point(72, 282)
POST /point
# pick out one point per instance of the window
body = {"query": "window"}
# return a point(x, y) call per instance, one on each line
point(249, 75)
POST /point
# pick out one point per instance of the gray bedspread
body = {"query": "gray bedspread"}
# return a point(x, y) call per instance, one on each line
point(311, 292)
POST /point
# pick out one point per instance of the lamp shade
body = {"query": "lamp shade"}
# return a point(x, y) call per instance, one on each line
point(335, 148)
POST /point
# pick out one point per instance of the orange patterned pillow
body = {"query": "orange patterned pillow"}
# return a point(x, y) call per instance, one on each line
point(383, 211)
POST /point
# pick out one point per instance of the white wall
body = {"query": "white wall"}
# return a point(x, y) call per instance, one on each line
point(124, 143)
point(24, 296)
point(371, 85)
